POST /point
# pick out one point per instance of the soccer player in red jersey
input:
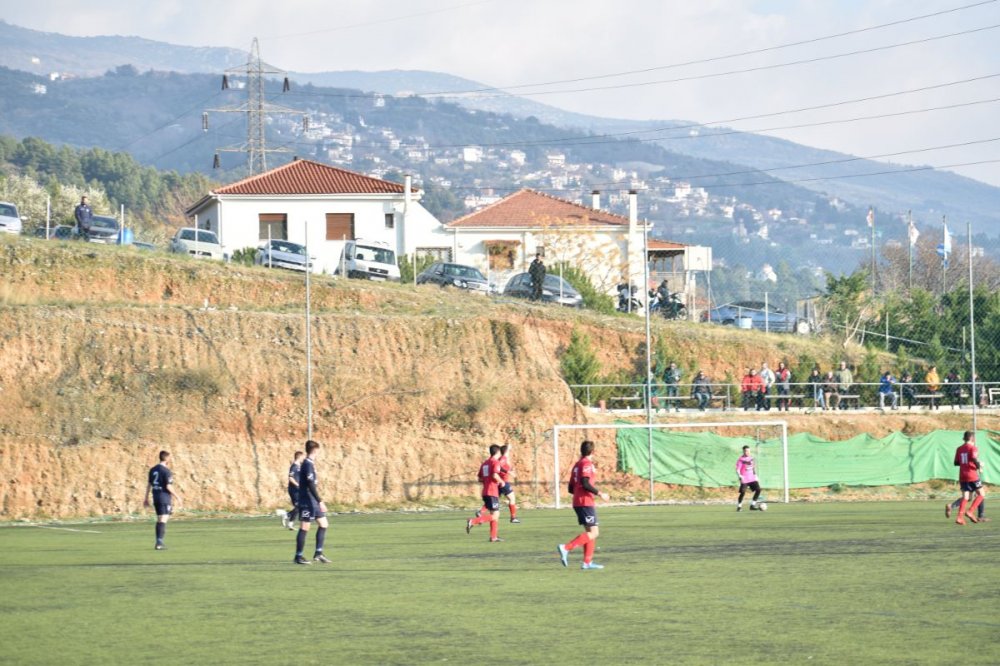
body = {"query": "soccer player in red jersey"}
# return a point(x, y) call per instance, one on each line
point(967, 461)
point(581, 484)
point(506, 489)
point(489, 476)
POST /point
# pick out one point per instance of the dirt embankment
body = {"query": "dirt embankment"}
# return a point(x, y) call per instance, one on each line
point(108, 356)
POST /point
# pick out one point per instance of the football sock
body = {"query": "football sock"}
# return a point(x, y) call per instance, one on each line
point(962, 507)
point(300, 542)
point(580, 540)
point(955, 504)
point(161, 531)
point(493, 528)
point(513, 511)
point(588, 551)
point(320, 539)
point(982, 506)
point(739, 500)
point(976, 503)
point(481, 518)
point(755, 496)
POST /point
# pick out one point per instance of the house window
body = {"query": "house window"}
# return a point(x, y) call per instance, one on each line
point(435, 253)
point(390, 220)
point(272, 225)
point(540, 249)
point(501, 254)
point(339, 226)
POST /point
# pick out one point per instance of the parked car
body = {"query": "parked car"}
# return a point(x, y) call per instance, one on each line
point(283, 254)
point(752, 314)
point(102, 229)
point(62, 232)
point(455, 275)
point(197, 243)
point(368, 260)
point(554, 290)
point(10, 219)
point(140, 245)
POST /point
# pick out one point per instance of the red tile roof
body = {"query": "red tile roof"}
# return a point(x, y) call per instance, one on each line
point(655, 244)
point(529, 208)
point(308, 177)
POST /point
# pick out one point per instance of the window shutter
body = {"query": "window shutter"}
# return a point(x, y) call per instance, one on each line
point(339, 226)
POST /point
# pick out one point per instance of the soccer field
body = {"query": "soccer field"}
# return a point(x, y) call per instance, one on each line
point(818, 583)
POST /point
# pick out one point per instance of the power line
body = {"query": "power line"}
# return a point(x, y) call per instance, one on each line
point(699, 77)
point(168, 123)
point(738, 54)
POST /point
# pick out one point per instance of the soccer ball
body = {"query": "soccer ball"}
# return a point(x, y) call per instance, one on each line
point(762, 506)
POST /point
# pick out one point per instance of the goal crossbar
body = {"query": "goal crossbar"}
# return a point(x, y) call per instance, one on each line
point(556, 429)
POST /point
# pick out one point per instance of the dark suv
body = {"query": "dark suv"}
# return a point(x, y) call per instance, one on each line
point(554, 290)
point(455, 275)
point(102, 229)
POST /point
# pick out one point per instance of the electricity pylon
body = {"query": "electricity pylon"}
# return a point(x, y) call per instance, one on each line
point(256, 109)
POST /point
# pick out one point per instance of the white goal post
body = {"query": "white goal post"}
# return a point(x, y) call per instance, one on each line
point(557, 429)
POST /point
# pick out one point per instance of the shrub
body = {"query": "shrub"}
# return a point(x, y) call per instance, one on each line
point(579, 364)
point(592, 298)
point(246, 256)
point(406, 270)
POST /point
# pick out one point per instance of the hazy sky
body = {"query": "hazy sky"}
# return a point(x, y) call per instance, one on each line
point(511, 42)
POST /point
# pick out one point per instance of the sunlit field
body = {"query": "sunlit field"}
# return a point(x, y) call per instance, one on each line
point(846, 583)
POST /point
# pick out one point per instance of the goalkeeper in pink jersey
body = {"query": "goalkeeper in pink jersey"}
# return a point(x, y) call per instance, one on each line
point(748, 479)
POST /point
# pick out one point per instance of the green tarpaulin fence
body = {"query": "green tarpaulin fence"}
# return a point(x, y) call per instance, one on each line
point(707, 460)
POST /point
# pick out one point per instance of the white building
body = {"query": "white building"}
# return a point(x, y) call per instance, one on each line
point(472, 154)
point(503, 238)
point(337, 204)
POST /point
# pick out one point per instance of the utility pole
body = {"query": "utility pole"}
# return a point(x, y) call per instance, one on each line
point(256, 109)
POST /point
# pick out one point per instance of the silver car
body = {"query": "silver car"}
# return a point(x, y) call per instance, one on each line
point(283, 254)
point(197, 243)
point(10, 220)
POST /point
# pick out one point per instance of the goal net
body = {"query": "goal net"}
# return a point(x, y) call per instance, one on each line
point(699, 455)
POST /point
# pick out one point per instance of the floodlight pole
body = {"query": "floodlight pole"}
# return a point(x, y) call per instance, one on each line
point(649, 351)
point(309, 380)
point(972, 338)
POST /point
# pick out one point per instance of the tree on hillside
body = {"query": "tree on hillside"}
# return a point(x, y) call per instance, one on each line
point(31, 199)
point(579, 363)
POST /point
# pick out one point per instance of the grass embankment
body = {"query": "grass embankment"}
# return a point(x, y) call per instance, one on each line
point(825, 584)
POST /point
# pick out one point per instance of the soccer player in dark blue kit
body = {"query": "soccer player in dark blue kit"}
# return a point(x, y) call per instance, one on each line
point(161, 485)
point(288, 519)
point(311, 508)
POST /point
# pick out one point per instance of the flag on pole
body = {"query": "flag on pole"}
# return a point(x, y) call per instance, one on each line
point(871, 216)
point(944, 249)
point(914, 234)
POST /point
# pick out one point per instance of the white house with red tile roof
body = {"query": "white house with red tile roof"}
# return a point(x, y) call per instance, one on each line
point(338, 205)
point(504, 237)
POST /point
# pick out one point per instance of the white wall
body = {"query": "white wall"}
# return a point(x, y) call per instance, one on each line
point(237, 223)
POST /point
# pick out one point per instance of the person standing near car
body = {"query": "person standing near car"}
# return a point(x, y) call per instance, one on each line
point(84, 215)
point(537, 272)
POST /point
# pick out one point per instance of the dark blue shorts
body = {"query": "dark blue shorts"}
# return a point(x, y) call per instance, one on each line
point(491, 503)
point(970, 486)
point(506, 489)
point(163, 504)
point(309, 511)
point(586, 515)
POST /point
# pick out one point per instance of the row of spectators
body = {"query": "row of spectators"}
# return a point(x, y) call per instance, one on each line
point(760, 387)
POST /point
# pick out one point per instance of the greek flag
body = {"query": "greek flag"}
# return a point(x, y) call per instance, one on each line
point(944, 249)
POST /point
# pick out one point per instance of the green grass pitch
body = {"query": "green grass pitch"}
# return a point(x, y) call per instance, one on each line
point(818, 583)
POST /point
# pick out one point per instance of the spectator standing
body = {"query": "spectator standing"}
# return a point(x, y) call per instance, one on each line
point(933, 381)
point(907, 389)
point(671, 378)
point(830, 391)
point(701, 390)
point(537, 272)
point(845, 380)
point(887, 389)
point(783, 380)
point(767, 378)
point(84, 215)
point(954, 390)
point(816, 383)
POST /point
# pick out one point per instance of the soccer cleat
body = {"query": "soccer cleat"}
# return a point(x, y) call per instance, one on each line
point(754, 507)
point(738, 508)
point(468, 526)
point(984, 519)
point(322, 559)
point(291, 525)
point(591, 565)
point(515, 521)
point(301, 560)
point(971, 516)
point(960, 521)
point(947, 510)
point(563, 554)
point(496, 540)
point(160, 546)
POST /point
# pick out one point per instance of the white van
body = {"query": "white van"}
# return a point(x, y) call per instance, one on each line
point(368, 260)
